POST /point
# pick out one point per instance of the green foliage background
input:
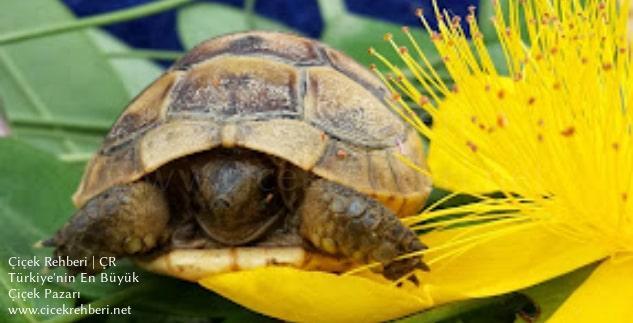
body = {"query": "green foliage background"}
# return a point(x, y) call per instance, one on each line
point(62, 84)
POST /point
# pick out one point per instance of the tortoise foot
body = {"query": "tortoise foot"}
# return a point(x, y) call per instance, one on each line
point(124, 220)
point(341, 221)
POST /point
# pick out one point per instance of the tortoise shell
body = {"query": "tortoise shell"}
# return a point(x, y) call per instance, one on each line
point(279, 94)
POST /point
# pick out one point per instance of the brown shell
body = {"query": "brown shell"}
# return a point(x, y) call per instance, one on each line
point(279, 94)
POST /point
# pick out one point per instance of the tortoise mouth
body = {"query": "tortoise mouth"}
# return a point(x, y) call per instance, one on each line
point(195, 264)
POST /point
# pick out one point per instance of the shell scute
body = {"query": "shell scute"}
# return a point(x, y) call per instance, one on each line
point(297, 50)
point(143, 113)
point(237, 88)
point(345, 110)
point(356, 72)
point(291, 140)
point(344, 158)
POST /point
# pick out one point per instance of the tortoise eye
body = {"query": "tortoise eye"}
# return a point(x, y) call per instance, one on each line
point(267, 182)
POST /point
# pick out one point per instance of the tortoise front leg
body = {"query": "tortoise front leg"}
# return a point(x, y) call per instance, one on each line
point(341, 221)
point(122, 221)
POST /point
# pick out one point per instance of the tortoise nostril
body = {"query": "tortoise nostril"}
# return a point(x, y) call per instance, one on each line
point(220, 203)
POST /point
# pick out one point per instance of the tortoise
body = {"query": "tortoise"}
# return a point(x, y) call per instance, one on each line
point(254, 149)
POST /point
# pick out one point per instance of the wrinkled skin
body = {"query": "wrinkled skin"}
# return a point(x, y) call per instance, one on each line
point(234, 198)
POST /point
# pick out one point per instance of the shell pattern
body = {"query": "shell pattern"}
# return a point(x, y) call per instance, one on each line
point(279, 94)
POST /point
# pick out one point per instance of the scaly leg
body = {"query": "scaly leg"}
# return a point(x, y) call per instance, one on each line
point(341, 221)
point(122, 221)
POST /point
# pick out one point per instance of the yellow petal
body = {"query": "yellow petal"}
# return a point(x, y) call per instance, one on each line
point(606, 296)
point(309, 296)
point(504, 263)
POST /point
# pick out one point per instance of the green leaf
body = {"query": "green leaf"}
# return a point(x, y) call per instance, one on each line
point(52, 28)
point(162, 295)
point(549, 295)
point(176, 297)
point(332, 9)
point(491, 309)
point(485, 13)
point(503, 310)
point(498, 57)
point(4, 124)
point(35, 194)
point(136, 73)
point(202, 21)
point(59, 92)
point(354, 35)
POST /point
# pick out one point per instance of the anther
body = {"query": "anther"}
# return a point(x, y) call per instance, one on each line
point(502, 121)
point(388, 36)
point(472, 146)
point(419, 12)
point(568, 132)
point(341, 154)
point(615, 146)
point(501, 94)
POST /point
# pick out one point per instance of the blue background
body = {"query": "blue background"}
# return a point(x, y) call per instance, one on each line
point(159, 32)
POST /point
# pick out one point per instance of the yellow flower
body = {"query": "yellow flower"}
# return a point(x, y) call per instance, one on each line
point(551, 138)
